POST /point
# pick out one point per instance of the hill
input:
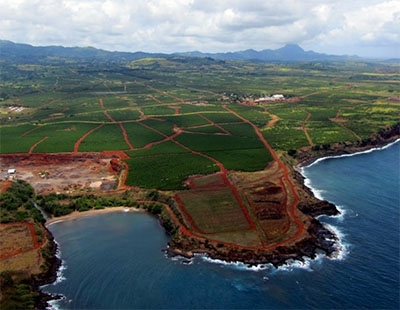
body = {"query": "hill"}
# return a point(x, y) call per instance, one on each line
point(289, 53)
point(25, 53)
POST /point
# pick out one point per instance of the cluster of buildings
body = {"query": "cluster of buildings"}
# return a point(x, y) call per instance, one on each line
point(273, 98)
point(15, 109)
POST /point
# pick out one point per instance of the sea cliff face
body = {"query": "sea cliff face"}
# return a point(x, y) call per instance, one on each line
point(49, 275)
point(320, 239)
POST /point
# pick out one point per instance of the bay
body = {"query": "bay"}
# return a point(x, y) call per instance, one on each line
point(116, 261)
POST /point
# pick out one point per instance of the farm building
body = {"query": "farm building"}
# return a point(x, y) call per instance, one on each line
point(273, 98)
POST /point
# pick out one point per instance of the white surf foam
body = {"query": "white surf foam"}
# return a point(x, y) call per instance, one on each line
point(55, 304)
point(60, 273)
point(341, 246)
point(353, 154)
point(236, 265)
point(55, 222)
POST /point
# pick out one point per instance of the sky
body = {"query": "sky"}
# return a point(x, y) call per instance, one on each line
point(367, 28)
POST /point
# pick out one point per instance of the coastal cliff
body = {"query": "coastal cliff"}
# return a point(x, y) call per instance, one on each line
point(49, 275)
point(307, 155)
point(317, 238)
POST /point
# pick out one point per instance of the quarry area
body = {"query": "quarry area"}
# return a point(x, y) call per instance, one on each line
point(62, 173)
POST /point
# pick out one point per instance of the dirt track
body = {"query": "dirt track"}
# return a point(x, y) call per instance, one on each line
point(16, 251)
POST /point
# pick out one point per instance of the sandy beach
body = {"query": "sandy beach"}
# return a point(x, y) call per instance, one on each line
point(77, 214)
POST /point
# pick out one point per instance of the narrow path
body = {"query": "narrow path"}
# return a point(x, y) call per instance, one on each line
point(314, 93)
point(274, 119)
point(35, 242)
point(124, 133)
point(305, 129)
point(36, 144)
point(340, 122)
point(156, 99)
point(160, 91)
point(167, 138)
point(215, 124)
point(175, 108)
point(78, 143)
point(29, 131)
point(186, 215)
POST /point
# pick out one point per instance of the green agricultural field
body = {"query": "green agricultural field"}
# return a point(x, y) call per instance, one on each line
point(205, 129)
point(13, 139)
point(60, 137)
point(328, 133)
point(106, 138)
point(285, 135)
point(166, 171)
point(141, 136)
point(173, 115)
point(121, 115)
point(215, 211)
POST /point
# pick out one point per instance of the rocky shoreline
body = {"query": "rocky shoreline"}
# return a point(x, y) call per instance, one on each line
point(307, 155)
point(53, 264)
point(319, 238)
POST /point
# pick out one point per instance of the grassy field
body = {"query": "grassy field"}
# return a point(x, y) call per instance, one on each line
point(214, 211)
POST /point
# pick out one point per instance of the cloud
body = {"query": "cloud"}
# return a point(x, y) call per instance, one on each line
point(370, 30)
point(356, 27)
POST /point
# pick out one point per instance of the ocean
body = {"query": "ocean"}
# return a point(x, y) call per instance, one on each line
point(117, 260)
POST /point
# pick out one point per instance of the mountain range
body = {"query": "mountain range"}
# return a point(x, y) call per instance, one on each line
point(26, 53)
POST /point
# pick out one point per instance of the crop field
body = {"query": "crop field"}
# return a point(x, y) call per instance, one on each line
point(150, 99)
point(106, 138)
point(121, 115)
point(214, 211)
point(166, 171)
point(188, 125)
point(141, 136)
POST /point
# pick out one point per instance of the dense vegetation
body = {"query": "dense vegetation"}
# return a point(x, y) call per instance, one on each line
point(16, 204)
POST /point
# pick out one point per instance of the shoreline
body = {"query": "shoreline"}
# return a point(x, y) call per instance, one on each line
point(307, 156)
point(77, 214)
point(355, 153)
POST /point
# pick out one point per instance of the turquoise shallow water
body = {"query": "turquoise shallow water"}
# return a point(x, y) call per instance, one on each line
point(116, 261)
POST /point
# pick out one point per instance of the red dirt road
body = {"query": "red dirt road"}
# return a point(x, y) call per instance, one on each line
point(78, 143)
point(287, 180)
point(36, 144)
point(124, 133)
point(35, 243)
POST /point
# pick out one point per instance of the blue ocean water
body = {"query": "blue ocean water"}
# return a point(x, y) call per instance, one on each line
point(116, 261)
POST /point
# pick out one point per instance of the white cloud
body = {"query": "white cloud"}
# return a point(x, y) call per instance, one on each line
point(366, 27)
point(370, 30)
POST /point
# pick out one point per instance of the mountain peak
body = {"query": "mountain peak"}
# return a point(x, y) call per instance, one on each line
point(291, 49)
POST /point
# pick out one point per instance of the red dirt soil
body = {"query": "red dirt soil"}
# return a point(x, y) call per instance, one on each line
point(287, 180)
point(35, 244)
